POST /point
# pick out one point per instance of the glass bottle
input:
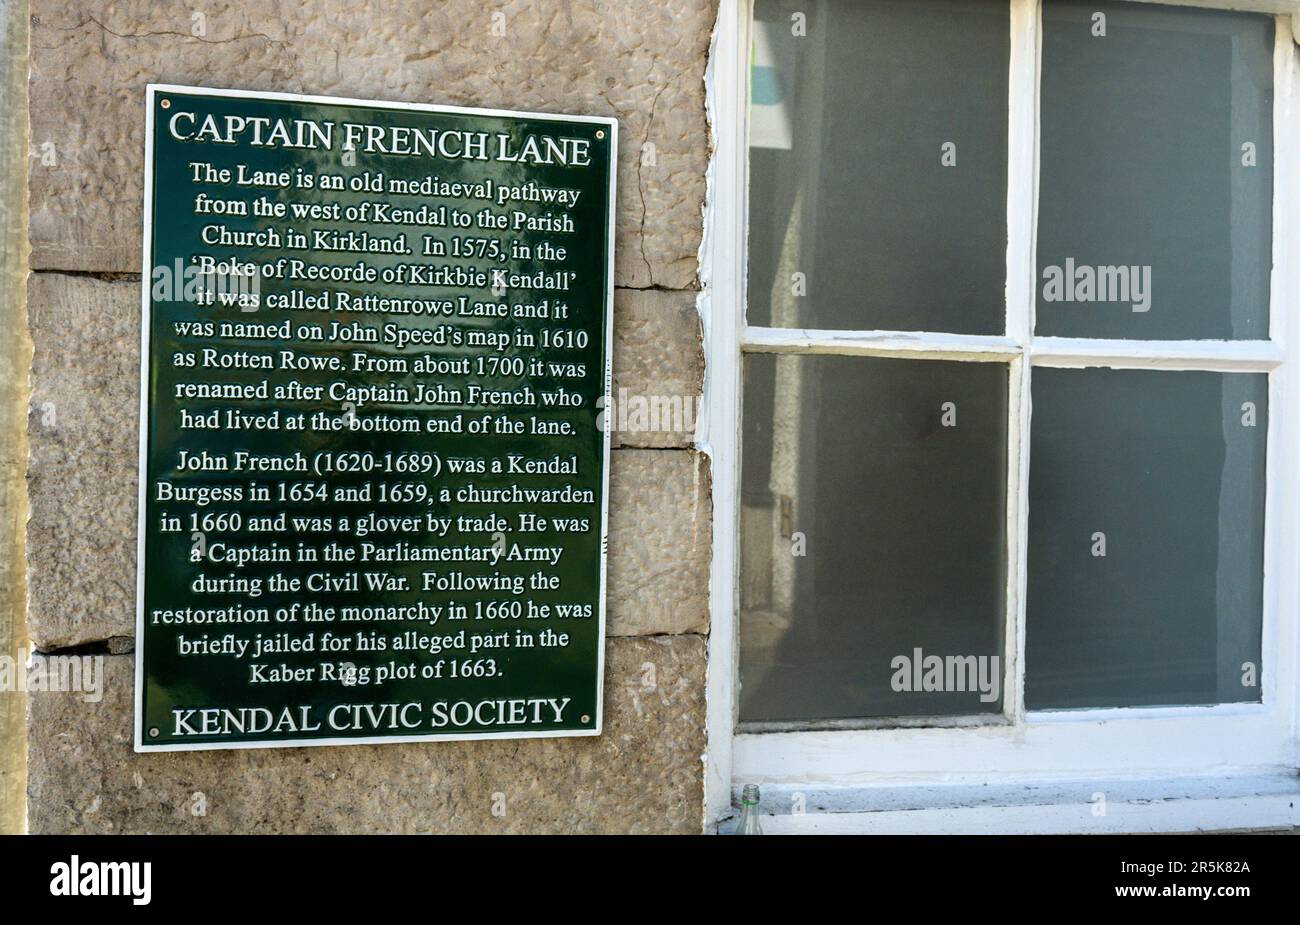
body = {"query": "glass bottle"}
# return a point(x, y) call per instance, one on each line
point(748, 824)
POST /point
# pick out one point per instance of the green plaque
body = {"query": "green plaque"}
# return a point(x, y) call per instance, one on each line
point(374, 475)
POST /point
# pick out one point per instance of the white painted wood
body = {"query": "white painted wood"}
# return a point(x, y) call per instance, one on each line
point(1232, 743)
point(1184, 740)
point(788, 799)
point(1089, 805)
point(1108, 714)
point(721, 306)
point(1226, 356)
point(1022, 223)
point(1257, 6)
point(912, 344)
point(1220, 355)
point(1282, 547)
point(1263, 813)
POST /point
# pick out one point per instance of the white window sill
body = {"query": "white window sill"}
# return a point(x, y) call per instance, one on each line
point(1244, 801)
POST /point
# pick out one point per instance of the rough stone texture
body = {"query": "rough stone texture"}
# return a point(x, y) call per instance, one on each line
point(15, 363)
point(641, 775)
point(660, 542)
point(642, 61)
point(83, 430)
point(658, 364)
point(81, 478)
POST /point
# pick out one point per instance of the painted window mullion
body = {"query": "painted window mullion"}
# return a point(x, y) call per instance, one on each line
point(1022, 203)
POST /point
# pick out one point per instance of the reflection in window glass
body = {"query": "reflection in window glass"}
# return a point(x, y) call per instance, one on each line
point(873, 530)
point(878, 165)
point(1146, 538)
point(1155, 190)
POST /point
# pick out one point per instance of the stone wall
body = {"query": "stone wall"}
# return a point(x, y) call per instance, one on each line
point(15, 358)
point(638, 60)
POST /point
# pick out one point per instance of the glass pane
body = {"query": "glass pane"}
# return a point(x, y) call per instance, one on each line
point(1146, 538)
point(1156, 177)
point(873, 513)
point(878, 165)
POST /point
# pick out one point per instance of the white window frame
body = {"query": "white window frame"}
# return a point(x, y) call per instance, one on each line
point(1230, 764)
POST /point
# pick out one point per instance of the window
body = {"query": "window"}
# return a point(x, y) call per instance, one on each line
point(1003, 496)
